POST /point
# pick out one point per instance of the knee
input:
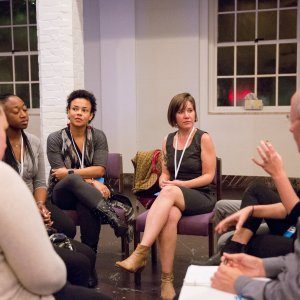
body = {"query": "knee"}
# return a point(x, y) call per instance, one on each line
point(220, 205)
point(255, 187)
point(72, 180)
point(170, 192)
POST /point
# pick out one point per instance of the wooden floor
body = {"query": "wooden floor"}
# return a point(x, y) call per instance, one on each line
point(120, 284)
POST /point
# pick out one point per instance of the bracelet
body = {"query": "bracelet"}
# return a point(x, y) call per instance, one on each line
point(252, 211)
point(39, 203)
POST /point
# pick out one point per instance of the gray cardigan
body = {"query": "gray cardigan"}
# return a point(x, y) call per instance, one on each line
point(34, 178)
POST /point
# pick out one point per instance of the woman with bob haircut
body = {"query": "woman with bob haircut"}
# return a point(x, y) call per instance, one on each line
point(188, 167)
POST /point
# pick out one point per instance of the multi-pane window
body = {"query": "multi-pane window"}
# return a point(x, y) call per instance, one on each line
point(256, 52)
point(19, 72)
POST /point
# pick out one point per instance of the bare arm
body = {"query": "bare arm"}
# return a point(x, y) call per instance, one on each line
point(208, 158)
point(274, 211)
point(165, 175)
point(272, 163)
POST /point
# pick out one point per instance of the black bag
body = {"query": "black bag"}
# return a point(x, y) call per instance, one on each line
point(123, 202)
point(61, 240)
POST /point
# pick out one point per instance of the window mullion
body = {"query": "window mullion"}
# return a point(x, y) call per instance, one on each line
point(28, 54)
point(235, 55)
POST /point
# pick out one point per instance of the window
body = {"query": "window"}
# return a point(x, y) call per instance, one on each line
point(18, 50)
point(255, 50)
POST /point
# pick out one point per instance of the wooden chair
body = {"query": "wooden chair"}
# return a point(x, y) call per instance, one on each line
point(197, 225)
point(114, 176)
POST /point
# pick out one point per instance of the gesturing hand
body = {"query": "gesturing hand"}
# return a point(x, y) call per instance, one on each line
point(271, 161)
point(237, 219)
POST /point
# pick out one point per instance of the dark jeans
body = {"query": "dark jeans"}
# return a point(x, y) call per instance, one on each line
point(80, 263)
point(73, 292)
point(273, 244)
point(73, 192)
point(61, 221)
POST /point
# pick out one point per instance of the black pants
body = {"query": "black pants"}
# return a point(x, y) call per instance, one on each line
point(73, 192)
point(80, 263)
point(61, 221)
point(73, 292)
point(273, 244)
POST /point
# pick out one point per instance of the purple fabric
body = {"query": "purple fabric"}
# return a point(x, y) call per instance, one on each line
point(188, 225)
point(114, 165)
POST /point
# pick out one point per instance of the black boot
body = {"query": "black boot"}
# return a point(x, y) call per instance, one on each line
point(93, 279)
point(105, 211)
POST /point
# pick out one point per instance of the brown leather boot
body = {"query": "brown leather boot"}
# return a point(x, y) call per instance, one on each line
point(136, 261)
point(167, 288)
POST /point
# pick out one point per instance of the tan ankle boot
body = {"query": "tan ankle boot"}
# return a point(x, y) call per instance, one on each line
point(167, 288)
point(136, 261)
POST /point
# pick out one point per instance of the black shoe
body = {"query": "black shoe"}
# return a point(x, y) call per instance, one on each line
point(105, 210)
point(93, 280)
point(214, 260)
point(234, 247)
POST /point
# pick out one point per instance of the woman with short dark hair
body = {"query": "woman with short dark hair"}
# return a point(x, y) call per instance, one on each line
point(78, 155)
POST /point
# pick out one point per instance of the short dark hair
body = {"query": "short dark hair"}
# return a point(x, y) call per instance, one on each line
point(4, 97)
point(85, 95)
point(180, 101)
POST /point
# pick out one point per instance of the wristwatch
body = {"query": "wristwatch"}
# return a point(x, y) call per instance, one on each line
point(70, 171)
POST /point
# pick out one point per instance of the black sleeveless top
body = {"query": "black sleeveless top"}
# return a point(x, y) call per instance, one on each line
point(191, 164)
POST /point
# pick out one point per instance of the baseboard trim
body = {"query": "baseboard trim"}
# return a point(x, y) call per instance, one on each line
point(229, 181)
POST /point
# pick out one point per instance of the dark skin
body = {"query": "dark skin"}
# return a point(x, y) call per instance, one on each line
point(17, 117)
point(80, 115)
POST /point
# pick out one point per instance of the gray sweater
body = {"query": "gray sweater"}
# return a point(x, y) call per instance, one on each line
point(29, 266)
point(286, 273)
point(34, 177)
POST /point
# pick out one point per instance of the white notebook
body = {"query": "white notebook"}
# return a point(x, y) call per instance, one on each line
point(199, 275)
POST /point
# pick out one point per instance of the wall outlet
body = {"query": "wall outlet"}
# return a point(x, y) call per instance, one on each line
point(256, 104)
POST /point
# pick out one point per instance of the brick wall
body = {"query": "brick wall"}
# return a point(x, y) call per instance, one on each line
point(60, 43)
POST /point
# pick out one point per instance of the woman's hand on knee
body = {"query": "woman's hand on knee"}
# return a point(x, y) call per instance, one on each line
point(102, 188)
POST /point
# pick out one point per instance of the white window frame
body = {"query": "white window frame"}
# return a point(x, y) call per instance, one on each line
point(32, 111)
point(213, 32)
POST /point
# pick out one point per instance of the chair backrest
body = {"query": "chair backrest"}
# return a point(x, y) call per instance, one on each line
point(218, 179)
point(114, 171)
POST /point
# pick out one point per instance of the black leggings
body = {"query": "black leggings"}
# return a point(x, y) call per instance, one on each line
point(80, 263)
point(273, 244)
point(73, 192)
point(73, 292)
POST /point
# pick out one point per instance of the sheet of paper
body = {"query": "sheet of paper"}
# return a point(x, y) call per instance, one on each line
point(199, 275)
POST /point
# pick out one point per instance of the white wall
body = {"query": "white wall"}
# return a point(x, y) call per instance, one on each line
point(171, 56)
point(116, 82)
point(138, 54)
